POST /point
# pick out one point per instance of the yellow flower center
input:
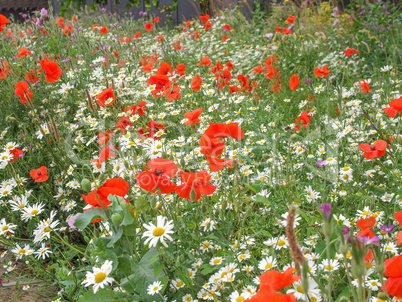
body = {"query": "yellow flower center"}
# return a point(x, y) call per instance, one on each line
point(239, 299)
point(21, 206)
point(329, 267)
point(34, 212)
point(281, 242)
point(205, 245)
point(5, 192)
point(5, 228)
point(99, 277)
point(216, 261)
point(269, 265)
point(180, 283)
point(313, 299)
point(158, 232)
point(365, 213)
point(300, 289)
point(47, 230)
point(21, 251)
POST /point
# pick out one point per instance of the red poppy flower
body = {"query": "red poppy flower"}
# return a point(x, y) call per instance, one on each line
point(302, 119)
point(39, 175)
point(160, 81)
point(3, 69)
point(268, 295)
point(3, 21)
point(224, 130)
point(258, 69)
point(223, 78)
point(17, 153)
point(105, 154)
point(204, 18)
point(365, 224)
point(124, 123)
point(211, 146)
point(174, 94)
point(188, 23)
point(156, 20)
point(180, 69)
point(149, 26)
point(294, 82)
point(208, 26)
point(137, 35)
point(229, 65)
point(193, 117)
point(365, 86)
point(286, 31)
point(160, 170)
point(176, 45)
point(224, 38)
point(217, 67)
point(398, 217)
point(114, 186)
point(104, 137)
point(164, 68)
point(350, 51)
point(393, 270)
point(205, 61)
point(106, 97)
point(21, 89)
point(291, 19)
point(52, 70)
point(141, 108)
point(321, 72)
point(195, 181)
point(278, 29)
point(196, 83)
point(377, 150)
point(216, 164)
point(393, 110)
point(272, 281)
point(31, 76)
point(104, 30)
point(23, 52)
point(226, 27)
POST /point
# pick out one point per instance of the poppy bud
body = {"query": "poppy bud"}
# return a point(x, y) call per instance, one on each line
point(193, 195)
point(344, 249)
point(10, 119)
point(380, 268)
point(116, 218)
point(382, 296)
point(86, 185)
point(294, 137)
point(86, 238)
point(358, 269)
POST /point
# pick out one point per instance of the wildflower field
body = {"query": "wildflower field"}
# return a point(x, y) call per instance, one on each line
point(223, 159)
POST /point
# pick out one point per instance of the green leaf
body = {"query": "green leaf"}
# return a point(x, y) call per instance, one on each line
point(344, 295)
point(144, 275)
point(85, 218)
point(128, 219)
point(124, 265)
point(263, 199)
point(115, 237)
point(103, 295)
point(250, 187)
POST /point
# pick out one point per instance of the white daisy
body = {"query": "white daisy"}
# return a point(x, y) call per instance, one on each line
point(158, 232)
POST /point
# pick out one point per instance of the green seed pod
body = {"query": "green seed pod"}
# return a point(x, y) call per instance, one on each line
point(294, 137)
point(116, 218)
point(86, 185)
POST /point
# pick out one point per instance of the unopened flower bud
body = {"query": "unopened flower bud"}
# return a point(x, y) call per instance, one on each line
point(86, 185)
point(116, 218)
point(382, 296)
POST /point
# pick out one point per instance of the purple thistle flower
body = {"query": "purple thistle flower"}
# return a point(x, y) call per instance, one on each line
point(308, 81)
point(321, 163)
